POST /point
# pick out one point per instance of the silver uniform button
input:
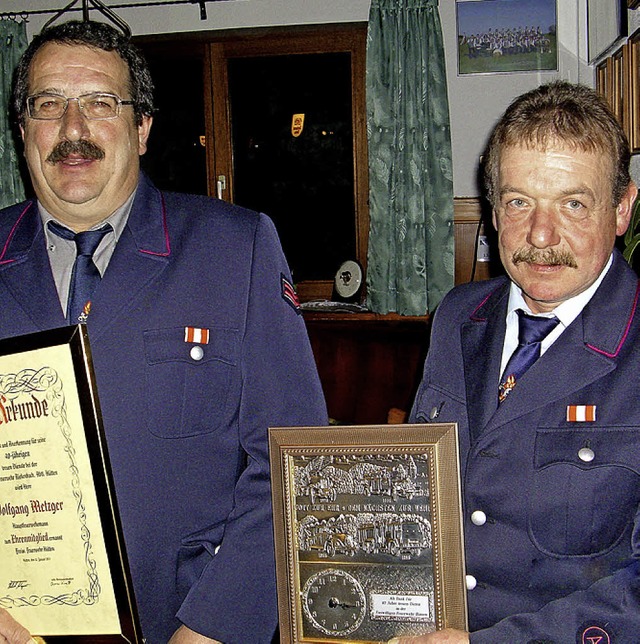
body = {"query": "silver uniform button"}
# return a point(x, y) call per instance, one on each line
point(471, 582)
point(586, 454)
point(478, 517)
point(197, 353)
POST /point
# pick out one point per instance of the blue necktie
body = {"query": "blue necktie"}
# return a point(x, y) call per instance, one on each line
point(85, 275)
point(532, 330)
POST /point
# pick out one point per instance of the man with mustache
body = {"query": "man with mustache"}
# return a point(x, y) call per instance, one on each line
point(549, 455)
point(197, 340)
point(82, 149)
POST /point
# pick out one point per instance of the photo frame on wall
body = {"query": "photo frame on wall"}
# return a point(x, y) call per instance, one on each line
point(506, 36)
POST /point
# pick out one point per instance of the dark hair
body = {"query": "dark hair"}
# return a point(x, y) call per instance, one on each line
point(97, 35)
point(560, 112)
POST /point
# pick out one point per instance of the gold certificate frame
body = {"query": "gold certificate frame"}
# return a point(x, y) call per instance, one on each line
point(368, 531)
point(64, 572)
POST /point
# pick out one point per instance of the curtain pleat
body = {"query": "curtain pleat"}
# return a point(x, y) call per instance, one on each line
point(13, 42)
point(410, 262)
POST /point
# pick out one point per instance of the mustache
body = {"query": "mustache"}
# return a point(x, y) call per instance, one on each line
point(547, 257)
point(82, 148)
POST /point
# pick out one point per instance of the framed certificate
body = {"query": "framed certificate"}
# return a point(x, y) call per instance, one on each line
point(64, 573)
point(368, 531)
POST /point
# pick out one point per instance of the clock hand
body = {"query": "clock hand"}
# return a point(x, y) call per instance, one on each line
point(334, 603)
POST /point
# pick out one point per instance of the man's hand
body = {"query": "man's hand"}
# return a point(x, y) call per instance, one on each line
point(185, 635)
point(11, 632)
point(447, 636)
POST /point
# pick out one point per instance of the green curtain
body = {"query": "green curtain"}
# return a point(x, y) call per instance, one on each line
point(13, 39)
point(410, 262)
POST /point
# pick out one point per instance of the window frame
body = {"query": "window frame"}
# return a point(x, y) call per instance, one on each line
point(343, 37)
point(214, 48)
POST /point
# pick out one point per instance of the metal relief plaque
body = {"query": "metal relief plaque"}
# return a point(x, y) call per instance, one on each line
point(360, 514)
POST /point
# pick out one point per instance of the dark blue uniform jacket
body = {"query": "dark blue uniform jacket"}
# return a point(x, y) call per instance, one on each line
point(187, 437)
point(556, 560)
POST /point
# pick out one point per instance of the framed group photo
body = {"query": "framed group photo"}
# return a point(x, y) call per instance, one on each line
point(368, 532)
point(505, 36)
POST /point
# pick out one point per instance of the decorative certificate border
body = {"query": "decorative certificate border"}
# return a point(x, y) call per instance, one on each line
point(368, 531)
point(65, 575)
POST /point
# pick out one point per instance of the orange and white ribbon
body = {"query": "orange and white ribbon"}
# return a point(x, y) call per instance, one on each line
point(581, 413)
point(193, 334)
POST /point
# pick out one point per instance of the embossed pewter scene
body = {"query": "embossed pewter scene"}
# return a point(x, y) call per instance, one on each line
point(364, 541)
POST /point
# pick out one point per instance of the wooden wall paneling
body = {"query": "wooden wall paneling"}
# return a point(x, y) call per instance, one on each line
point(604, 79)
point(367, 364)
point(620, 93)
point(468, 223)
point(633, 78)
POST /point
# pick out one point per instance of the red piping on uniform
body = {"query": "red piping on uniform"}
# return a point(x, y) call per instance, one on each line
point(626, 331)
point(10, 237)
point(166, 234)
point(472, 316)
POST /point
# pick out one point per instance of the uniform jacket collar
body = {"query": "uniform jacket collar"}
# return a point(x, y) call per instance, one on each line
point(587, 350)
point(142, 252)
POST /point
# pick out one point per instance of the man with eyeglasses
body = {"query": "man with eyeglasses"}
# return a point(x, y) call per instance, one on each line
point(196, 335)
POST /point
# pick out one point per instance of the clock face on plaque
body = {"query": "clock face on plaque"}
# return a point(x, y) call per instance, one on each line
point(348, 281)
point(334, 601)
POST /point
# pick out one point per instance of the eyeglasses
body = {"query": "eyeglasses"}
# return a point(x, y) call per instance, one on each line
point(97, 106)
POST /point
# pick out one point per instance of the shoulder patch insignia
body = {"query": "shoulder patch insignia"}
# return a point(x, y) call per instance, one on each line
point(289, 294)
